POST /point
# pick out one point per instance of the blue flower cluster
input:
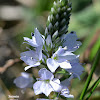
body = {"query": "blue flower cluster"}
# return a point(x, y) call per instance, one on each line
point(54, 51)
point(54, 59)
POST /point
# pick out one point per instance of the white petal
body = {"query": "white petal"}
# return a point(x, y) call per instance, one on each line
point(65, 65)
point(59, 51)
point(67, 53)
point(52, 64)
point(26, 68)
point(56, 80)
point(38, 37)
point(68, 95)
point(37, 87)
point(65, 93)
point(56, 87)
point(46, 88)
point(31, 42)
point(42, 87)
point(45, 74)
point(34, 41)
point(36, 64)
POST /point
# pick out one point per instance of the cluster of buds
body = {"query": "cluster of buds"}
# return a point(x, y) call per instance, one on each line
point(54, 50)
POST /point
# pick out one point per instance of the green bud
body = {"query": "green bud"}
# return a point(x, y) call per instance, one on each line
point(59, 17)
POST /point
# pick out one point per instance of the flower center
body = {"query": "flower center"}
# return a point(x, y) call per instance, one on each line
point(55, 57)
point(47, 81)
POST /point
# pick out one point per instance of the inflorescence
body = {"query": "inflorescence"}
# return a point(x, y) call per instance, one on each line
point(54, 50)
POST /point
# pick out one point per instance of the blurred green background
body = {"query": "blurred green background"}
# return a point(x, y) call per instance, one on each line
point(18, 18)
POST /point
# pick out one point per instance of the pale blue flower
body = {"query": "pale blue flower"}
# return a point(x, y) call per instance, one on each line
point(46, 83)
point(32, 58)
point(37, 39)
point(65, 84)
point(76, 69)
point(70, 40)
point(24, 81)
point(60, 58)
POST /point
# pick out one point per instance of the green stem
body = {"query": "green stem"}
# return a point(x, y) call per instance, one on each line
point(92, 85)
point(90, 75)
point(97, 82)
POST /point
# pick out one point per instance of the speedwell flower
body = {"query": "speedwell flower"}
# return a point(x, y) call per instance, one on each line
point(32, 58)
point(24, 81)
point(76, 69)
point(37, 39)
point(70, 40)
point(46, 83)
point(60, 58)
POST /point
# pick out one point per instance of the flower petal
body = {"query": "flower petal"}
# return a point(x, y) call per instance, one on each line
point(45, 74)
point(36, 64)
point(31, 42)
point(37, 87)
point(65, 65)
point(65, 83)
point(65, 93)
point(38, 37)
point(42, 87)
point(29, 57)
point(56, 86)
point(46, 88)
point(36, 40)
point(52, 64)
point(23, 82)
point(70, 40)
point(76, 69)
point(29, 53)
point(60, 51)
point(39, 52)
point(67, 56)
point(68, 95)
